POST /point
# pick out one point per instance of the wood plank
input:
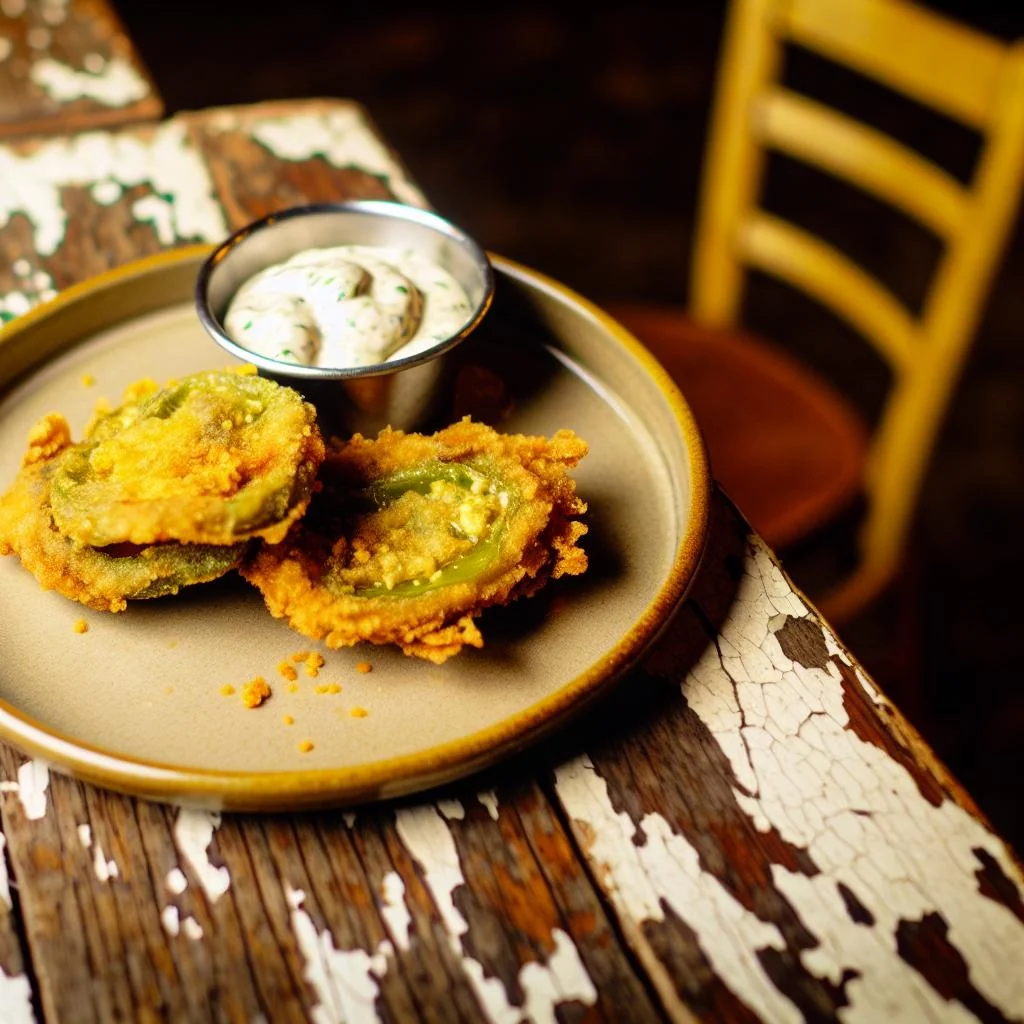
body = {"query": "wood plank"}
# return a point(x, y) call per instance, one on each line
point(774, 837)
point(69, 66)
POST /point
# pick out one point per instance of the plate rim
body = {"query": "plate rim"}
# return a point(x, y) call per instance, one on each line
point(288, 790)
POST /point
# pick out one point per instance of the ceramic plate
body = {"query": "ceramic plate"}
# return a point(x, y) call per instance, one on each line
point(136, 702)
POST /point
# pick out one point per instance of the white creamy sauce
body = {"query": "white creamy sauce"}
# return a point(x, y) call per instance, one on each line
point(348, 305)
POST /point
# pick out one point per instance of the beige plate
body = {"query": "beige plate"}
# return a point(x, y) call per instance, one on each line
point(135, 703)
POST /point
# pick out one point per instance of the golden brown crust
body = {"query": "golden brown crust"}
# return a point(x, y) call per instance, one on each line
point(104, 580)
point(214, 458)
point(538, 539)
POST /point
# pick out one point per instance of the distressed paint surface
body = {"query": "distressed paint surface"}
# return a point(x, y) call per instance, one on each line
point(193, 833)
point(562, 979)
point(394, 911)
point(33, 782)
point(16, 999)
point(104, 868)
point(165, 161)
point(659, 869)
point(114, 83)
point(859, 814)
point(342, 137)
point(345, 981)
point(879, 853)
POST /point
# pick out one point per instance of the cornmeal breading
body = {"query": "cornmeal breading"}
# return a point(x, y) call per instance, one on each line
point(413, 536)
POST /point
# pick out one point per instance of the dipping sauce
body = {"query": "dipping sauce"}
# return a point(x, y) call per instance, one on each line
point(348, 305)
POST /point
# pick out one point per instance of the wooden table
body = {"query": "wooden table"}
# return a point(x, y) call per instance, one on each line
point(68, 65)
point(745, 829)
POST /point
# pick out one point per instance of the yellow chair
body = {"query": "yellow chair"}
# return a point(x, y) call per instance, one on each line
point(821, 446)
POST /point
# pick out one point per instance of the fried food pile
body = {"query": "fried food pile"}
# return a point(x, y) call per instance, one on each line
point(400, 539)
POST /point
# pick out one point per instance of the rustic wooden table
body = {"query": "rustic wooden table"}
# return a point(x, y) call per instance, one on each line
point(745, 829)
point(68, 65)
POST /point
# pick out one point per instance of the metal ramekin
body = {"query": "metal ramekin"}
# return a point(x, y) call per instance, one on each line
point(395, 393)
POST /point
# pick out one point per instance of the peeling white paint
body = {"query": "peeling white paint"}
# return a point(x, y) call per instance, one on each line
point(169, 919)
point(166, 161)
point(489, 798)
point(664, 870)
point(105, 869)
point(107, 192)
point(342, 137)
point(159, 212)
point(5, 881)
point(176, 881)
point(33, 782)
point(193, 833)
point(563, 978)
point(345, 981)
point(5, 48)
point(21, 267)
point(452, 809)
point(394, 911)
point(429, 840)
point(115, 84)
point(859, 815)
point(192, 928)
point(349, 817)
point(16, 999)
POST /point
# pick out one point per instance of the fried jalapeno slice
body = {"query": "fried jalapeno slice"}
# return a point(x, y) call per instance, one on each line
point(413, 536)
point(214, 458)
point(101, 578)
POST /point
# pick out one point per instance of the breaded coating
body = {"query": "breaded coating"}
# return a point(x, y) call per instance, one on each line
point(412, 536)
point(214, 458)
point(104, 579)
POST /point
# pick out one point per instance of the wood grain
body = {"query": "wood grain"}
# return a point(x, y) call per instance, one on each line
point(67, 67)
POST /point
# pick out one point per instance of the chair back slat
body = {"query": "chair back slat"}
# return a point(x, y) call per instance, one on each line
point(937, 62)
point(959, 72)
point(875, 162)
point(817, 268)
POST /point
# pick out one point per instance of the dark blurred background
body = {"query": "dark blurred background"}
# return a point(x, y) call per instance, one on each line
point(571, 138)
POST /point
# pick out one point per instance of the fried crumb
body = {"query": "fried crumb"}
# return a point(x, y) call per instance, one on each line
point(227, 690)
point(314, 662)
point(287, 670)
point(359, 712)
point(255, 692)
point(81, 626)
point(327, 688)
point(364, 667)
point(287, 719)
point(300, 656)
point(293, 687)
point(305, 746)
point(88, 380)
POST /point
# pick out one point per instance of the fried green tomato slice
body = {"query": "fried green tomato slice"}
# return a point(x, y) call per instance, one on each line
point(412, 536)
point(214, 458)
point(105, 579)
